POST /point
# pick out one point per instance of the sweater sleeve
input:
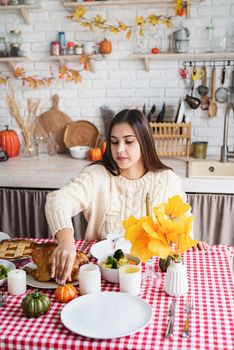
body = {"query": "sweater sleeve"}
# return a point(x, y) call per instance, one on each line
point(174, 187)
point(63, 204)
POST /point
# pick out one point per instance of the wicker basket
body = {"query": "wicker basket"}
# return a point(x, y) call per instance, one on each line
point(172, 139)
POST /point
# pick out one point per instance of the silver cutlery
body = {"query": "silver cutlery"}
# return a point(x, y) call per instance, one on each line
point(188, 309)
point(170, 324)
point(84, 245)
point(3, 298)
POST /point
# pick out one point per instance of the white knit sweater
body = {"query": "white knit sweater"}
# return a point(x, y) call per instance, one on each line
point(98, 193)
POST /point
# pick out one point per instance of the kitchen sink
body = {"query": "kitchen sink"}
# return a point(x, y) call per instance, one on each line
point(210, 169)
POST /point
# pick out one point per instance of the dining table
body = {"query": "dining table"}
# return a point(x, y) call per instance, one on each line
point(211, 285)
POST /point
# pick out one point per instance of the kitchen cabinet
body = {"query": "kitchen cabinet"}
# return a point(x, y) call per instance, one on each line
point(23, 9)
point(22, 215)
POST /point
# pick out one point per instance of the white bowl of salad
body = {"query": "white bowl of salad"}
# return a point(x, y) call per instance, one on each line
point(5, 267)
point(109, 265)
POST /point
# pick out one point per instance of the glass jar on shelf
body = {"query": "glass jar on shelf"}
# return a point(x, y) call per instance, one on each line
point(70, 48)
point(15, 41)
point(3, 47)
point(209, 39)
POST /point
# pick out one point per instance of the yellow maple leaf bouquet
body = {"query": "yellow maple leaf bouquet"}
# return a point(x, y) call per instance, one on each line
point(165, 233)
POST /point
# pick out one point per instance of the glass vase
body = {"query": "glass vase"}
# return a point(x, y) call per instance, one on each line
point(176, 281)
point(30, 149)
point(150, 276)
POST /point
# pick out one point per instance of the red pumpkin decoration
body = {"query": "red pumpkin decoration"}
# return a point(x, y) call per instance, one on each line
point(9, 142)
point(103, 149)
point(105, 47)
point(65, 293)
point(95, 154)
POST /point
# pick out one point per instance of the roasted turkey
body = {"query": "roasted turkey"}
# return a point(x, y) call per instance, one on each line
point(41, 256)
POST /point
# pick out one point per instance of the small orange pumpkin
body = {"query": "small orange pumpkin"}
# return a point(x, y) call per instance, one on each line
point(9, 142)
point(65, 293)
point(105, 47)
point(103, 149)
point(95, 154)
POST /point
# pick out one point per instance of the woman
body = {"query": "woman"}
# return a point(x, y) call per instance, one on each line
point(118, 184)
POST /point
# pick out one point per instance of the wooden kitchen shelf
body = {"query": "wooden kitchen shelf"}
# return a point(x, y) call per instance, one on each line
point(161, 3)
point(23, 9)
point(75, 58)
point(201, 56)
point(12, 61)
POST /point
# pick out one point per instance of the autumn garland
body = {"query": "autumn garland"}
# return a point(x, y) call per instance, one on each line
point(72, 75)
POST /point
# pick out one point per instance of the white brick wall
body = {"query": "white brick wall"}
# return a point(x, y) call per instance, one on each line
point(118, 81)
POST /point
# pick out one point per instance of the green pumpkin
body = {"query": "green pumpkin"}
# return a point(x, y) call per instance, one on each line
point(164, 263)
point(35, 304)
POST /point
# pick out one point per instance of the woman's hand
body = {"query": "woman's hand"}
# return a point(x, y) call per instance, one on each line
point(202, 245)
point(63, 257)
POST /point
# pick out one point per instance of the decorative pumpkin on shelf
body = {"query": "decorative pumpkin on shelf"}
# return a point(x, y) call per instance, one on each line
point(105, 47)
point(65, 293)
point(35, 304)
point(9, 142)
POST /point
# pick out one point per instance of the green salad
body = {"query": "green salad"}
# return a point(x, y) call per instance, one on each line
point(118, 259)
point(3, 272)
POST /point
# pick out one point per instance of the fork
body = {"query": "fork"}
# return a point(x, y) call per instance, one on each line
point(3, 298)
point(188, 309)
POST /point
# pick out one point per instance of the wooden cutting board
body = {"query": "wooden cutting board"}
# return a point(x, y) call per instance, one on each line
point(53, 121)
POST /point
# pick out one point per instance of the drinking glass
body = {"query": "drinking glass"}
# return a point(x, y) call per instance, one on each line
point(113, 227)
point(150, 276)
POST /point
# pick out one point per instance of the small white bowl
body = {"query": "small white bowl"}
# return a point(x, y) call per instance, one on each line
point(9, 265)
point(79, 152)
point(112, 275)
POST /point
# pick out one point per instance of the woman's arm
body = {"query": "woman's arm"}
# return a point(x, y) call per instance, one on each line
point(64, 256)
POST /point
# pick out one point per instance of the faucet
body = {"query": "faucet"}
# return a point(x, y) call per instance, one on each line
point(225, 153)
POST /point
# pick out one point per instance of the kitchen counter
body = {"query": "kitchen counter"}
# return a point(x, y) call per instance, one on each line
point(55, 171)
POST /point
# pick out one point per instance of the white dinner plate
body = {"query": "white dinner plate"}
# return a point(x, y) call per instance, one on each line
point(32, 282)
point(103, 248)
point(106, 315)
point(9, 265)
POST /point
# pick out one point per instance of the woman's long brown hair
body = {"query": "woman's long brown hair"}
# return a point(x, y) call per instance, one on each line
point(144, 135)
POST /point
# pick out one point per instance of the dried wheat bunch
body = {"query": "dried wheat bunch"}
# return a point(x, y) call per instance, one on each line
point(28, 122)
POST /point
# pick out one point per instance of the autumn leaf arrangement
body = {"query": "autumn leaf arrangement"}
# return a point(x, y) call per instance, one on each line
point(165, 233)
point(101, 23)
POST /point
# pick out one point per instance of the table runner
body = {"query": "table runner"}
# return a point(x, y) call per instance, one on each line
point(211, 323)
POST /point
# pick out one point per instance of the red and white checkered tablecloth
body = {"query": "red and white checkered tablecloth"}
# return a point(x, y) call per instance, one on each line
point(211, 323)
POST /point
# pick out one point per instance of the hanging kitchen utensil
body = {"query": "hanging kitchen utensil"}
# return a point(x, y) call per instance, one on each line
point(197, 73)
point(221, 94)
point(203, 91)
point(53, 121)
point(212, 111)
point(192, 101)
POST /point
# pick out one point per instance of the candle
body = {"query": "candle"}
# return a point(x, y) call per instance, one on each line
point(16, 280)
point(89, 279)
point(130, 279)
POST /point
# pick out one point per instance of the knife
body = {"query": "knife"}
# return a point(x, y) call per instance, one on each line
point(170, 324)
point(84, 245)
